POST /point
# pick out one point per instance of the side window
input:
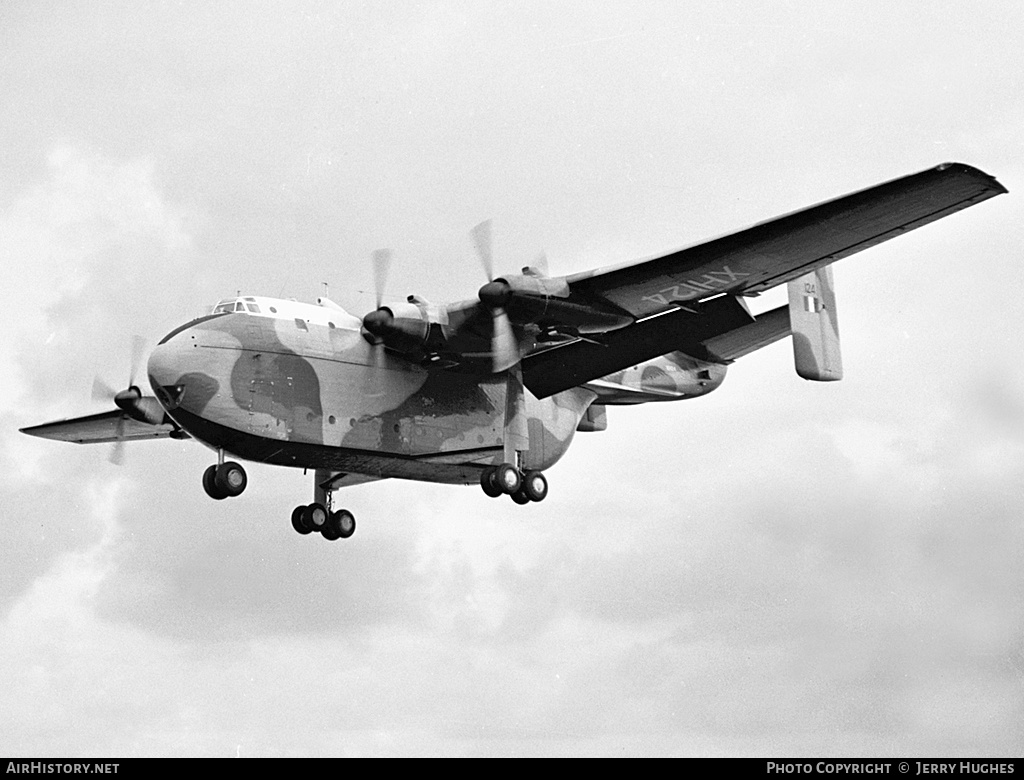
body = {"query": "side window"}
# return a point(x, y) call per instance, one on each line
point(301, 324)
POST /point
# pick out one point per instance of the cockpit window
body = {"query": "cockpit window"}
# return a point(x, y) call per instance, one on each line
point(236, 304)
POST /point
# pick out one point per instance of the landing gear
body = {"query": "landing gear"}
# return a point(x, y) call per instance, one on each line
point(298, 523)
point(507, 479)
point(535, 486)
point(340, 525)
point(225, 480)
point(503, 478)
point(330, 525)
point(318, 516)
point(309, 518)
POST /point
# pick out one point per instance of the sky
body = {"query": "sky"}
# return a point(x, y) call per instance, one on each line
point(780, 568)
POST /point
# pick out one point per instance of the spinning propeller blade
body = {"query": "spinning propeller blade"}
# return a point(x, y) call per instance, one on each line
point(373, 384)
point(495, 295)
point(481, 235)
point(381, 269)
point(130, 400)
point(101, 391)
point(138, 350)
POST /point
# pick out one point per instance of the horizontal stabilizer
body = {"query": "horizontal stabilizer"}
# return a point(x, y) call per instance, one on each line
point(812, 318)
point(766, 329)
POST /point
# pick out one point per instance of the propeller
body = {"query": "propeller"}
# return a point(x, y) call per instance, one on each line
point(495, 297)
point(377, 322)
point(130, 400)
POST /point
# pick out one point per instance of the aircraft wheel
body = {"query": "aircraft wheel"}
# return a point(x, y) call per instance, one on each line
point(520, 497)
point(230, 479)
point(535, 486)
point(346, 523)
point(314, 516)
point(489, 483)
point(508, 478)
point(329, 532)
point(340, 525)
point(210, 484)
point(297, 521)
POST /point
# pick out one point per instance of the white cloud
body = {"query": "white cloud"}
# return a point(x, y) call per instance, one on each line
point(91, 225)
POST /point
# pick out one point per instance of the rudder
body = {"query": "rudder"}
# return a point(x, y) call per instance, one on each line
point(815, 326)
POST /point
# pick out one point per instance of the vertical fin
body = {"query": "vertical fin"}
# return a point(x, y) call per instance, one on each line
point(815, 326)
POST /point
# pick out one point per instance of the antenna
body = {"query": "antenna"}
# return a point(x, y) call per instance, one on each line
point(327, 293)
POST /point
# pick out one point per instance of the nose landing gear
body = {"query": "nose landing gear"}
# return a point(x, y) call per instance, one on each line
point(225, 480)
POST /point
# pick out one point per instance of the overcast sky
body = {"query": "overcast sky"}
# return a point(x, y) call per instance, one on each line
point(780, 568)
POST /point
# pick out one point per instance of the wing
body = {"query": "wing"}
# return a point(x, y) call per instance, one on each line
point(549, 372)
point(103, 427)
point(773, 252)
point(686, 300)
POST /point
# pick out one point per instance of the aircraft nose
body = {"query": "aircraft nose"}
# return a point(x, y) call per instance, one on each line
point(165, 369)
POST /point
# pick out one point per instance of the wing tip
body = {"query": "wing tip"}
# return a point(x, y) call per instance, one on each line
point(990, 182)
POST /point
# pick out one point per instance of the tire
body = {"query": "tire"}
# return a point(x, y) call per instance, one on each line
point(314, 516)
point(345, 522)
point(508, 478)
point(210, 484)
point(520, 497)
point(489, 484)
point(340, 525)
point(535, 486)
point(297, 521)
point(230, 479)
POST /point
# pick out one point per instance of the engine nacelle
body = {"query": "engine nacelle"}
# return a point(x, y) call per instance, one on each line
point(545, 301)
point(144, 408)
point(404, 327)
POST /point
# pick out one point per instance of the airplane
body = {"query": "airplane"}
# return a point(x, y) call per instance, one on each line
point(491, 391)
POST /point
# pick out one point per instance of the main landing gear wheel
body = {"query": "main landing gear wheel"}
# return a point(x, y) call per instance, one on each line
point(505, 478)
point(340, 525)
point(330, 525)
point(224, 481)
point(535, 486)
point(489, 483)
point(298, 523)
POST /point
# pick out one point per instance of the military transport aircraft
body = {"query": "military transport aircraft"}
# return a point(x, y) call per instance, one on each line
point(492, 390)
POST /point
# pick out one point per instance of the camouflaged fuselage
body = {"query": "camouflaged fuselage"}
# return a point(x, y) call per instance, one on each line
point(298, 385)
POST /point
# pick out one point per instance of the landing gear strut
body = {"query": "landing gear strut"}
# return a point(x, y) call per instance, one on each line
point(319, 517)
point(508, 477)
